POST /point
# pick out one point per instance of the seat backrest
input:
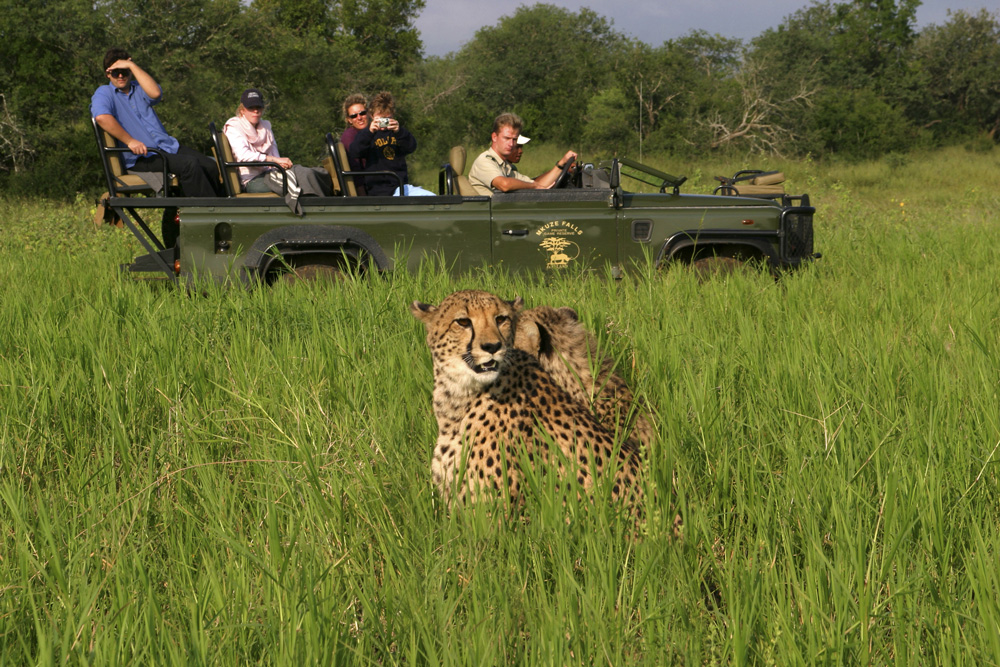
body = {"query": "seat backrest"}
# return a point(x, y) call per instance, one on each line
point(456, 157)
point(332, 170)
point(351, 188)
point(112, 160)
point(116, 176)
point(230, 173)
point(338, 153)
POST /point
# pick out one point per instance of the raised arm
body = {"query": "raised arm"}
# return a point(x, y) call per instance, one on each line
point(145, 81)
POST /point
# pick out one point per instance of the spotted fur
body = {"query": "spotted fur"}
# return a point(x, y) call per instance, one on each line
point(497, 406)
point(564, 347)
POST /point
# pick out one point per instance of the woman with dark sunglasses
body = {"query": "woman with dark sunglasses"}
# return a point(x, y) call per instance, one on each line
point(356, 117)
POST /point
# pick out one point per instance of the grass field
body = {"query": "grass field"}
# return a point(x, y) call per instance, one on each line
point(243, 477)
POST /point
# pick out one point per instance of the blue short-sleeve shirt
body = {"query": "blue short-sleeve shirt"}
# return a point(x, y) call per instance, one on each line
point(133, 108)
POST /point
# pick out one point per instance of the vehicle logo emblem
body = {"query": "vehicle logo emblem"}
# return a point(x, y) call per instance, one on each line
point(556, 242)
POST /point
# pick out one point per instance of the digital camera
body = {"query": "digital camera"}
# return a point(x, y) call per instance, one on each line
point(382, 123)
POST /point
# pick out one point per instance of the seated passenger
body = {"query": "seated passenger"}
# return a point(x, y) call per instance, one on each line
point(252, 140)
point(384, 147)
point(494, 169)
point(124, 109)
point(356, 117)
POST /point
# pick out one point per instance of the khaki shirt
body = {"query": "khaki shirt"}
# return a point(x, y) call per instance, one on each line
point(488, 166)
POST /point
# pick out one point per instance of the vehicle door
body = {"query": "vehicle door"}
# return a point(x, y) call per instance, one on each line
point(554, 230)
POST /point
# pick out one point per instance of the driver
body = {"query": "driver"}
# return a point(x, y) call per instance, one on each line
point(494, 169)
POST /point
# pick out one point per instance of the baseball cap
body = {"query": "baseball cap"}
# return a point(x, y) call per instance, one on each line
point(521, 139)
point(252, 98)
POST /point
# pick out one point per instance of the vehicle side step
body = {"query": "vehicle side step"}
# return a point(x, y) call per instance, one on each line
point(160, 262)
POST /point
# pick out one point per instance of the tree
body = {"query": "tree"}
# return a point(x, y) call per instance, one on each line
point(958, 64)
point(517, 66)
point(46, 48)
point(846, 55)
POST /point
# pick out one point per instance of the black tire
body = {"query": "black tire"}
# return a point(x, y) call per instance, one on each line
point(709, 267)
point(314, 273)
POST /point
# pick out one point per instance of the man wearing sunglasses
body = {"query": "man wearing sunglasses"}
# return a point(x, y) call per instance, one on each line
point(124, 108)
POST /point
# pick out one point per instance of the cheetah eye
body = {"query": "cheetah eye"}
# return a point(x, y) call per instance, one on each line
point(464, 322)
point(502, 319)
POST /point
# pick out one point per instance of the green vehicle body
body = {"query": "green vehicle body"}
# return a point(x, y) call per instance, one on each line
point(595, 226)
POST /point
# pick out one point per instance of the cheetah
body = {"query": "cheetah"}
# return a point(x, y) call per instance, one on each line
point(571, 356)
point(492, 399)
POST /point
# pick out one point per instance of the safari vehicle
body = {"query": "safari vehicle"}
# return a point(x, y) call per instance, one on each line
point(589, 220)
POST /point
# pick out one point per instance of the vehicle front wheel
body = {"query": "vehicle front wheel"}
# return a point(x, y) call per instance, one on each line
point(708, 267)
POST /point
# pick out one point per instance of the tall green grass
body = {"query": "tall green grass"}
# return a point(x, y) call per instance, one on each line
point(243, 477)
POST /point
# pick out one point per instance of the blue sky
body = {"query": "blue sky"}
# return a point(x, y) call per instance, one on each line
point(447, 24)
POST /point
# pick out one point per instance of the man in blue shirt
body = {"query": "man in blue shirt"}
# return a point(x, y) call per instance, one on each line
point(124, 108)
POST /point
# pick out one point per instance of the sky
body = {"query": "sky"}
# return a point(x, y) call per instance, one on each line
point(445, 25)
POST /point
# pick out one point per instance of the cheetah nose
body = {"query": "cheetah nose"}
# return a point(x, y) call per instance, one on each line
point(492, 348)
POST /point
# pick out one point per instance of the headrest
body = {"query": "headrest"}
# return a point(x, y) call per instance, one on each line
point(457, 159)
point(771, 178)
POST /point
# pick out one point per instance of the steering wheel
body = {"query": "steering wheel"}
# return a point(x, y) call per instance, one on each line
point(563, 177)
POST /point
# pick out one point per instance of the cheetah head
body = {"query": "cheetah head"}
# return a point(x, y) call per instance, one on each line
point(469, 334)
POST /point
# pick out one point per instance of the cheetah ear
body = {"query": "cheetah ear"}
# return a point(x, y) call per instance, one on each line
point(517, 304)
point(570, 313)
point(422, 311)
point(545, 348)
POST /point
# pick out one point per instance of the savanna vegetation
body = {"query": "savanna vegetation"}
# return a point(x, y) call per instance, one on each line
point(835, 80)
point(230, 477)
point(243, 477)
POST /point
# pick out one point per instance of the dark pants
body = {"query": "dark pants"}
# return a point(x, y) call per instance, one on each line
point(197, 174)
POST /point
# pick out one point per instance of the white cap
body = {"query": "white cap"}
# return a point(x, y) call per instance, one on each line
point(522, 140)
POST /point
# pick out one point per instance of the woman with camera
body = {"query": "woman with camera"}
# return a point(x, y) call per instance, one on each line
point(384, 147)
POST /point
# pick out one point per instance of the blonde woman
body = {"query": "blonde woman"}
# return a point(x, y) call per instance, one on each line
point(253, 141)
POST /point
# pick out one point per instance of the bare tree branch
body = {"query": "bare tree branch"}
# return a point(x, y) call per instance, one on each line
point(760, 115)
point(14, 149)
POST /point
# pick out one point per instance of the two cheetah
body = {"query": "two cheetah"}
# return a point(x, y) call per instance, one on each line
point(498, 406)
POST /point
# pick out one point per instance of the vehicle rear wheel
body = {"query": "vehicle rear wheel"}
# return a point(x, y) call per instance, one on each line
point(314, 273)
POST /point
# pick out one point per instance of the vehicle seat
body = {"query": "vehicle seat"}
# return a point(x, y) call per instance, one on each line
point(230, 167)
point(119, 181)
point(456, 158)
point(331, 169)
point(344, 180)
point(752, 183)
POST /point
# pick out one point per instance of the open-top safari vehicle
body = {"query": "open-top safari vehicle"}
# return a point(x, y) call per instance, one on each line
point(590, 220)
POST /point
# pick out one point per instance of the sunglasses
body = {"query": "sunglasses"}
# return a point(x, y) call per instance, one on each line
point(121, 73)
point(352, 116)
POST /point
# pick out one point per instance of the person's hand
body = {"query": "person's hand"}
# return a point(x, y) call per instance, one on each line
point(393, 125)
point(136, 146)
point(283, 162)
point(570, 155)
point(120, 64)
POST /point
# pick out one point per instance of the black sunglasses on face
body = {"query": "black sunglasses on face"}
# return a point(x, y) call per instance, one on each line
point(352, 116)
point(121, 73)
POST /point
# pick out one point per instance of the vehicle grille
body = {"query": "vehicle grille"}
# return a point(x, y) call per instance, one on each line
point(797, 236)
